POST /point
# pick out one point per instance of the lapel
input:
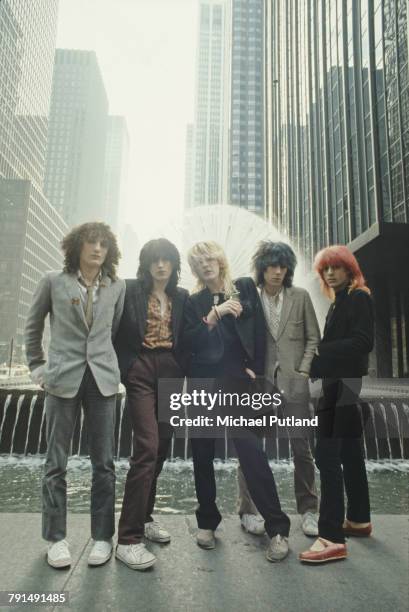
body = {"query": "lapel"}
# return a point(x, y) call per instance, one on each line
point(176, 312)
point(335, 314)
point(206, 302)
point(288, 301)
point(141, 308)
point(103, 298)
point(73, 291)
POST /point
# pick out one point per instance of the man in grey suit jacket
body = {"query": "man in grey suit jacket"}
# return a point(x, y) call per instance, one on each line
point(292, 337)
point(84, 303)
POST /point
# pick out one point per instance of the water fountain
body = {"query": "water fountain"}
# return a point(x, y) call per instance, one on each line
point(22, 432)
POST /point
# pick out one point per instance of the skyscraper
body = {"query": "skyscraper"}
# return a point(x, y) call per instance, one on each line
point(210, 165)
point(27, 42)
point(116, 171)
point(188, 165)
point(30, 230)
point(247, 133)
point(337, 118)
point(77, 136)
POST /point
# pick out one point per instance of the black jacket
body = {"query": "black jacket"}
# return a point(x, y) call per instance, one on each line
point(206, 347)
point(132, 328)
point(348, 337)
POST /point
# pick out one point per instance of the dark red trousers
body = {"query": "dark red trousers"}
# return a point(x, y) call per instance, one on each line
point(151, 441)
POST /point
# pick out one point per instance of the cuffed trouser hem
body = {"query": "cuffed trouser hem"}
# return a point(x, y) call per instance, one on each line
point(54, 527)
point(328, 535)
point(129, 541)
point(102, 527)
point(208, 522)
point(358, 519)
point(283, 530)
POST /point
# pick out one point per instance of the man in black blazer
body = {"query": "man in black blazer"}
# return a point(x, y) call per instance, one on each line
point(341, 360)
point(225, 335)
point(148, 347)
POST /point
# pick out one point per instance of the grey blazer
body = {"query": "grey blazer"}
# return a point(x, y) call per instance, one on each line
point(72, 344)
point(292, 352)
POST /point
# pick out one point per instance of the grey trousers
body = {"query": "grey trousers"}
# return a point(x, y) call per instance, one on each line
point(304, 470)
point(61, 414)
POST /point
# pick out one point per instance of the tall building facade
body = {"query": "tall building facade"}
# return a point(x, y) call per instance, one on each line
point(27, 42)
point(247, 132)
point(31, 233)
point(188, 165)
point(337, 138)
point(30, 229)
point(114, 200)
point(211, 123)
point(77, 136)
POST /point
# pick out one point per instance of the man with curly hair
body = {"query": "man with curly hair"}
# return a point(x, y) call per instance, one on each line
point(84, 302)
point(292, 337)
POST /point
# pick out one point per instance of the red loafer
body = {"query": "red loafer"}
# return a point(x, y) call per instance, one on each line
point(322, 551)
point(359, 532)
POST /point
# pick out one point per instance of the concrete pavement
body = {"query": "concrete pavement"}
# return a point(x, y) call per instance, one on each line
point(235, 576)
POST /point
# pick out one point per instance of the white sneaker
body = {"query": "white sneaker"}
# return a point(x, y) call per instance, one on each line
point(205, 538)
point(253, 523)
point(278, 549)
point(309, 524)
point(156, 533)
point(100, 552)
point(135, 556)
point(58, 554)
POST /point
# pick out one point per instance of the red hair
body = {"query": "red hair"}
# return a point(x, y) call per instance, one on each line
point(339, 256)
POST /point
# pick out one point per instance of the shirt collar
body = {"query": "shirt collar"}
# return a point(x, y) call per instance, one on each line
point(96, 282)
point(277, 298)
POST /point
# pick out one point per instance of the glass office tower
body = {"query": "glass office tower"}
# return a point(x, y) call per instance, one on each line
point(211, 123)
point(337, 136)
point(77, 137)
point(30, 229)
point(247, 106)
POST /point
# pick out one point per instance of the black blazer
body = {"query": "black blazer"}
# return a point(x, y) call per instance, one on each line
point(206, 347)
point(132, 328)
point(348, 338)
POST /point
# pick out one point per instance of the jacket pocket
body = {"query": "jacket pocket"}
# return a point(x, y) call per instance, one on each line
point(296, 330)
point(53, 366)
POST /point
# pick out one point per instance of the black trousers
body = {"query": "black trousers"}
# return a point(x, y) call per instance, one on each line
point(255, 467)
point(259, 478)
point(340, 459)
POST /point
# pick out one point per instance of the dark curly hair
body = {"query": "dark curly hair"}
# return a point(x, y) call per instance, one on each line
point(271, 253)
point(152, 251)
point(89, 232)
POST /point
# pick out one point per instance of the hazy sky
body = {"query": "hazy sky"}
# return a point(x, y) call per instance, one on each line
point(146, 52)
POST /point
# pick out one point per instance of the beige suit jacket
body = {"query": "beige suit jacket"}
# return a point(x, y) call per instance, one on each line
point(292, 351)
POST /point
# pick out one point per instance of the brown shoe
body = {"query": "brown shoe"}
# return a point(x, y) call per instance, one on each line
point(359, 532)
point(322, 551)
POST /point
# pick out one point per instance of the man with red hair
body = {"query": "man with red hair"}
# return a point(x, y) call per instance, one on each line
point(341, 360)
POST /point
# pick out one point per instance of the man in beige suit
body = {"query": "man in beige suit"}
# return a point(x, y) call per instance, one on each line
point(292, 337)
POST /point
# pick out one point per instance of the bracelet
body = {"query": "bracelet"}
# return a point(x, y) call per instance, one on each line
point(216, 312)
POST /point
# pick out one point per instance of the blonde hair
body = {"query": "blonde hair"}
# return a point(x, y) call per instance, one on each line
point(211, 249)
